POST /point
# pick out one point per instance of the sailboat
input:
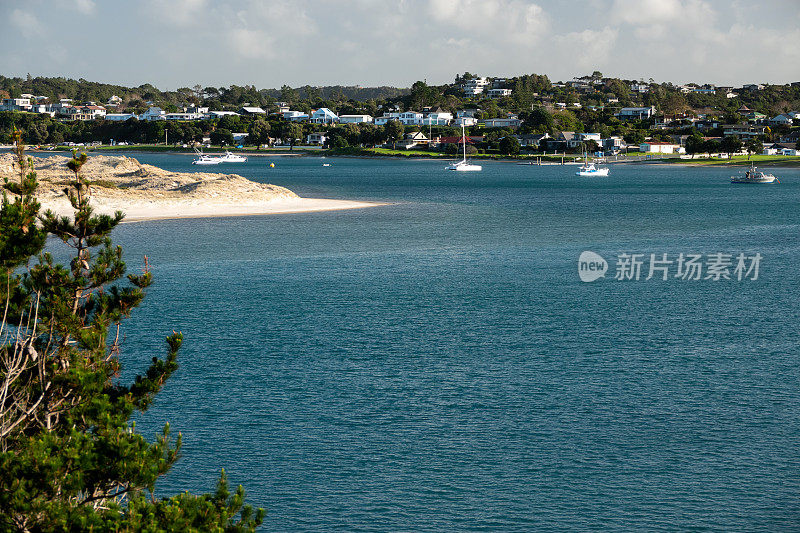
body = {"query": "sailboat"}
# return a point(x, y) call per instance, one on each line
point(464, 165)
point(589, 170)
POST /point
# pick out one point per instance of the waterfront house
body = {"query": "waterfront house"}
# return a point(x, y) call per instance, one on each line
point(316, 138)
point(355, 119)
point(531, 140)
point(323, 115)
point(411, 140)
point(659, 147)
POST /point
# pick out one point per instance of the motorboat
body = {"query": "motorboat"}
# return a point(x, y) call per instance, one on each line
point(230, 157)
point(589, 170)
point(754, 176)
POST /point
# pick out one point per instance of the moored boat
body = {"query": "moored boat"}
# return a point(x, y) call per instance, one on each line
point(754, 176)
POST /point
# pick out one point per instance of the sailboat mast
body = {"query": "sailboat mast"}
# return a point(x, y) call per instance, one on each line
point(464, 141)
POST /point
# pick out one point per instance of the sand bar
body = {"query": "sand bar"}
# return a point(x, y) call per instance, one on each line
point(145, 192)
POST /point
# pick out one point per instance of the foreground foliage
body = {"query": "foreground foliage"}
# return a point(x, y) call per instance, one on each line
point(69, 455)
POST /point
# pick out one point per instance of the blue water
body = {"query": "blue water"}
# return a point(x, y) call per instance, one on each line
point(437, 365)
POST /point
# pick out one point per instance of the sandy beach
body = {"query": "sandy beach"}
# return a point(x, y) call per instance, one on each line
point(146, 192)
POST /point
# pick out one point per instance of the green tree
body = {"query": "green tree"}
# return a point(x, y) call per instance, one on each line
point(291, 131)
point(394, 131)
point(694, 144)
point(258, 132)
point(70, 459)
point(753, 146)
point(731, 145)
point(221, 136)
point(509, 145)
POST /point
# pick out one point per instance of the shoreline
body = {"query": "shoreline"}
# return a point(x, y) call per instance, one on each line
point(143, 211)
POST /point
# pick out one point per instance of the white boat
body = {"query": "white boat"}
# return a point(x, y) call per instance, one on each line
point(207, 160)
point(589, 170)
point(464, 165)
point(754, 176)
point(232, 158)
point(203, 159)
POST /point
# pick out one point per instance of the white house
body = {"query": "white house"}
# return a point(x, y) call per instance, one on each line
point(183, 116)
point(498, 93)
point(323, 115)
point(252, 111)
point(16, 104)
point(240, 137)
point(411, 118)
point(583, 137)
point(114, 101)
point(654, 147)
point(294, 116)
point(120, 117)
point(640, 87)
point(465, 121)
point(354, 119)
point(154, 113)
point(219, 114)
point(316, 138)
point(635, 113)
point(386, 117)
point(470, 113)
point(411, 140)
point(475, 86)
point(508, 122)
point(438, 118)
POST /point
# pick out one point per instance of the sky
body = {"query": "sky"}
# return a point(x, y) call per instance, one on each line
point(180, 43)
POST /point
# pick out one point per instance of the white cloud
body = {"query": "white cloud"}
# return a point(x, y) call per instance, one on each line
point(86, 7)
point(26, 23)
point(589, 49)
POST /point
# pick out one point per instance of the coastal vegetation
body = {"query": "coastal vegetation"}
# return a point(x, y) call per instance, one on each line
point(70, 458)
point(590, 104)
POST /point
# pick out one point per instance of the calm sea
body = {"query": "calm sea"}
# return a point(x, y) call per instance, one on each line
point(437, 364)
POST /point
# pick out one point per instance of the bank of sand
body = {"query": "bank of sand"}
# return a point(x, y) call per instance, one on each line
point(145, 192)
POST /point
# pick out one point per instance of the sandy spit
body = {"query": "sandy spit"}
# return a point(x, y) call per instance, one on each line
point(146, 192)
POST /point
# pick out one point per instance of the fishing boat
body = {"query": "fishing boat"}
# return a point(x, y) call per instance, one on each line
point(588, 169)
point(754, 176)
point(464, 165)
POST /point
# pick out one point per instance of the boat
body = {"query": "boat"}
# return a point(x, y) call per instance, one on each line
point(232, 158)
point(203, 159)
point(464, 165)
point(326, 164)
point(754, 176)
point(588, 169)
